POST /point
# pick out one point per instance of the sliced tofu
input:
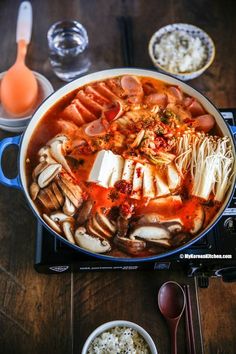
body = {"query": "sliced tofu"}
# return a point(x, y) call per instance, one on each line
point(137, 181)
point(116, 175)
point(128, 170)
point(162, 188)
point(173, 177)
point(148, 182)
point(102, 168)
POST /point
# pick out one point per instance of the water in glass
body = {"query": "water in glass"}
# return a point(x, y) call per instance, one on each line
point(68, 46)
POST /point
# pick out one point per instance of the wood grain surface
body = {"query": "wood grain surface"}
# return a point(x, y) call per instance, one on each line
point(132, 297)
point(54, 314)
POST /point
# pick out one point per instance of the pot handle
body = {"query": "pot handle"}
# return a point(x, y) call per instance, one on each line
point(4, 143)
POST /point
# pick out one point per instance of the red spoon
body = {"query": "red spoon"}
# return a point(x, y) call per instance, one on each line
point(171, 302)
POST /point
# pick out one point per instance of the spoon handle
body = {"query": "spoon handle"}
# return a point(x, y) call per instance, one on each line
point(24, 22)
point(173, 337)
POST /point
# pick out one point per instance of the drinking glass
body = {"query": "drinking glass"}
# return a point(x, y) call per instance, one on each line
point(68, 49)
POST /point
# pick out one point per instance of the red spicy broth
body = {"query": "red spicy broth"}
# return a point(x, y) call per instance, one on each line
point(135, 123)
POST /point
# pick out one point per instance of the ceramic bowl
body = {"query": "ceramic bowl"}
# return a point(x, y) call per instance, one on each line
point(192, 31)
point(120, 323)
point(19, 124)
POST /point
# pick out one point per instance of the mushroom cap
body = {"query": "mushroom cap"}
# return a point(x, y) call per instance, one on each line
point(91, 243)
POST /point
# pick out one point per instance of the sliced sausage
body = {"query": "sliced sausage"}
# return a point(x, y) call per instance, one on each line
point(87, 115)
point(196, 108)
point(113, 112)
point(88, 102)
point(95, 95)
point(114, 86)
point(67, 127)
point(175, 95)
point(148, 88)
point(157, 98)
point(187, 101)
point(71, 112)
point(131, 85)
point(205, 122)
point(105, 91)
point(95, 128)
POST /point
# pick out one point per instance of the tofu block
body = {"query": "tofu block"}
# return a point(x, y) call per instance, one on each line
point(148, 182)
point(128, 170)
point(102, 168)
point(137, 181)
point(173, 176)
point(116, 175)
point(162, 188)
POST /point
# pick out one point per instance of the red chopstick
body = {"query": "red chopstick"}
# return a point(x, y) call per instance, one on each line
point(189, 322)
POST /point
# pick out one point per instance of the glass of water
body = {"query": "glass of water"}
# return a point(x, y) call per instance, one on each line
point(68, 49)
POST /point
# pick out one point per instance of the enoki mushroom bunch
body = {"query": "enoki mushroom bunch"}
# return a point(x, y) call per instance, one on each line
point(210, 161)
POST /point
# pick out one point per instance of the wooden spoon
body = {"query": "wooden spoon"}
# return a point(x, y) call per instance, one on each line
point(19, 88)
point(171, 302)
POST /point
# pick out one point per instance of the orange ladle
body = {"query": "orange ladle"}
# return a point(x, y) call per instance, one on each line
point(19, 88)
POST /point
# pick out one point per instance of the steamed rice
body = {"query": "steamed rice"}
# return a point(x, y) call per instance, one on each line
point(122, 340)
point(178, 52)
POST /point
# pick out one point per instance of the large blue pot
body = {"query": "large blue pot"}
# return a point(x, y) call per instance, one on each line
point(23, 140)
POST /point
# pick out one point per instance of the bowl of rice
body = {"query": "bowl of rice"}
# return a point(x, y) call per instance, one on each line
point(181, 50)
point(119, 337)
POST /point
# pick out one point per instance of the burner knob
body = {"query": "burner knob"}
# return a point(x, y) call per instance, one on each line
point(229, 224)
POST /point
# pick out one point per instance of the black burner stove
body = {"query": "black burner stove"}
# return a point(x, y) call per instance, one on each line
point(213, 255)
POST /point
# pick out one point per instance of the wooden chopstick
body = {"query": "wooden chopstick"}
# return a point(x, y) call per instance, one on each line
point(125, 26)
point(189, 322)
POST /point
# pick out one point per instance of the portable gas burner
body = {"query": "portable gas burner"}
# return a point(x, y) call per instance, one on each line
point(213, 255)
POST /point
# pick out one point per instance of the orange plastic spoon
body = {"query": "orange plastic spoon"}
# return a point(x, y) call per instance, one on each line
point(19, 88)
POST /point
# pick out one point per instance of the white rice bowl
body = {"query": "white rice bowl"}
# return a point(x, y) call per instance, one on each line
point(119, 337)
point(181, 50)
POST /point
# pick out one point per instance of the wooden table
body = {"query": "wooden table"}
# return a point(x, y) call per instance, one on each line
point(54, 314)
